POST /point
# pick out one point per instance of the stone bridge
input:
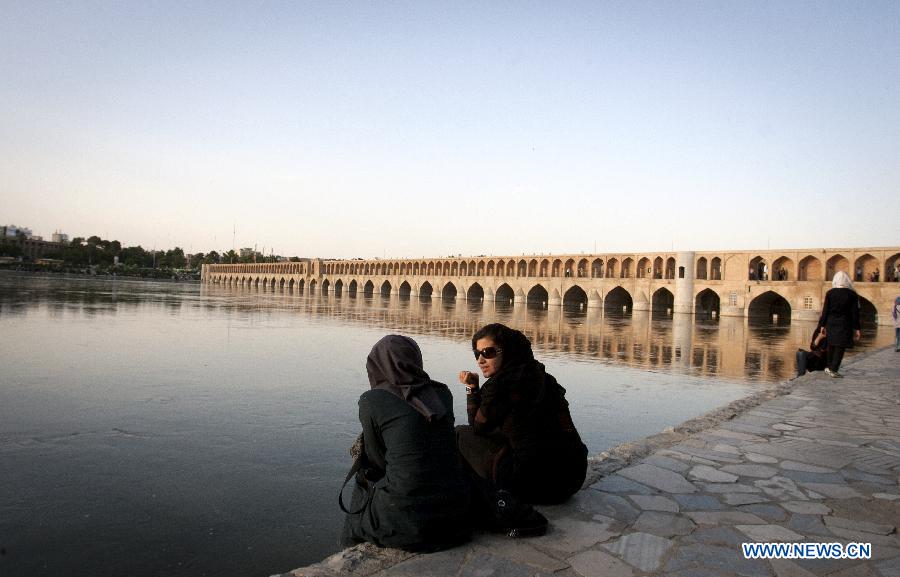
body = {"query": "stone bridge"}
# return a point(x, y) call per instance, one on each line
point(777, 285)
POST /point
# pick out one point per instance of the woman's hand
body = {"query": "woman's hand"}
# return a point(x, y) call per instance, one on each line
point(856, 335)
point(469, 379)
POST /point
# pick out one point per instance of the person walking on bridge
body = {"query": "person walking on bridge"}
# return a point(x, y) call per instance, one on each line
point(839, 321)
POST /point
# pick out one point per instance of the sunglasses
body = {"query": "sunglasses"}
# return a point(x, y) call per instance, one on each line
point(487, 352)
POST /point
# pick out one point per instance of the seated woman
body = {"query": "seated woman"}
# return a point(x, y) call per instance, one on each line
point(410, 493)
point(520, 434)
point(815, 358)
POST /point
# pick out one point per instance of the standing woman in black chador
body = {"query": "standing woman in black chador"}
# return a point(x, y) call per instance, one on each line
point(839, 321)
point(409, 492)
point(520, 434)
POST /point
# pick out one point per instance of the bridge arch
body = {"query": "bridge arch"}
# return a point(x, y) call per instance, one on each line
point(706, 303)
point(891, 270)
point(836, 263)
point(618, 302)
point(368, 288)
point(865, 269)
point(597, 268)
point(627, 265)
point(426, 290)
point(385, 289)
point(612, 268)
point(643, 268)
point(764, 307)
point(545, 268)
point(449, 291)
point(782, 269)
point(758, 269)
point(325, 286)
point(575, 298)
point(537, 295)
point(868, 313)
point(312, 287)
point(491, 268)
point(352, 288)
point(810, 269)
point(405, 290)
point(475, 292)
point(701, 268)
point(662, 301)
point(504, 293)
point(338, 287)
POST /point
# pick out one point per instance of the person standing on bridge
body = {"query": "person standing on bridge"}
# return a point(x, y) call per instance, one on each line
point(839, 321)
point(520, 436)
point(896, 314)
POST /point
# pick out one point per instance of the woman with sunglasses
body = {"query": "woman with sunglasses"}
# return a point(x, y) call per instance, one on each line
point(409, 490)
point(520, 435)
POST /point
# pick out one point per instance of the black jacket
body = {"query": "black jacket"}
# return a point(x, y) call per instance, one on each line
point(840, 317)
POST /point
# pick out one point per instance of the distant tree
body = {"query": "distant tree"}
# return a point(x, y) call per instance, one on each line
point(212, 257)
point(295, 259)
point(10, 249)
point(94, 240)
point(196, 260)
point(175, 258)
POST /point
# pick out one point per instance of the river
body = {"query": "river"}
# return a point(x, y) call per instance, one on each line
point(152, 428)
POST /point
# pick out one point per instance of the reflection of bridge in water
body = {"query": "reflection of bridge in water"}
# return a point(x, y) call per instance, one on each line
point(737, 348)
point(774, 285)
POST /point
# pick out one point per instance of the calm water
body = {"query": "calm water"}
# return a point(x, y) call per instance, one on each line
point(168, 429)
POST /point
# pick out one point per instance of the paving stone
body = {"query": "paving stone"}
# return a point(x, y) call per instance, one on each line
point(781, 488)
point(854, 525)
point(724, 518)
point(519, 550)
point(709, 455)
point(706, 473)
point(722, 560)
point(808, 525)
point(806, 507)
point(771, 513)
point(658, 478)
point(725, 448)
point(743, 498)
point(667, 463)
point(760, 471)
point(694, 572)
point(784, 427)
point(619, 484)
point(692, 459)
point(641, 550)
point(597, 503)
point(757, 458)
point(886, 496)
point(663, 524)
point(853, 474)
point(595, 563)
point(729, 488)
point(889, 568)
point(487, 565)
point(803, 451)
point(876, 540)
point(834, 491)
point(655, 503)
point(860, 570)
point(785, 568)
point(726, 434)
point(804, 477)
point(768, 533)
point(698, 502)
point(571, 535)
point(796, 466)
point(716, 536)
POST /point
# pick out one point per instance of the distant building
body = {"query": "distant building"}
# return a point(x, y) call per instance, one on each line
point(247, 252)
point(60, 237)
point(33, 247)
point(12, 231)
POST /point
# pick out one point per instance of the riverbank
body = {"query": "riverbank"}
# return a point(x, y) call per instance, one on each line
point(814, 459)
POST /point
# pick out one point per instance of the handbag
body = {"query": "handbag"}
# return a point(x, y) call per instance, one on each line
point(358, 469)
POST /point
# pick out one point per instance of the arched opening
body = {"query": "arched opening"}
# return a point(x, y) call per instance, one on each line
point(368, 288)
point(385, 290)
point(769, 307)
point(352, 288)
point(281, 285)
point(836, 263)
point(325, 285)
point(618, 302)
point(582, 268)
point(449, 291)
point(643, 268)
point(866, 269)
point(545, 267)
point(783, 269)
point(892, 268)
point(491, 268)
point(868, 314)
point(701, 268)
point(575, 298)
point(715, 269)
point(301, 285)
point(504, 294)
point(510, 268)
point(626, 268)
point(338, 287)
point(425, 290)
point(523, 268)
point(597, 268)
point(658, 267)
point(291, 286)
point(670, 268)
point(312, 287)
point(612, 268)
point(759, 269)
point(446, 271)
point(404, 290)
point(454, 268)
point(662, 302)
point(475, 293)
point(707, 304)
point(537, 296)
point(810, 269)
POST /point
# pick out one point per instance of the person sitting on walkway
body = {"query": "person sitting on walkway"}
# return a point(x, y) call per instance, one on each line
point(896, 314)
point(814, 359)
point(410, 492)
point(520, 435)
point(839, 321)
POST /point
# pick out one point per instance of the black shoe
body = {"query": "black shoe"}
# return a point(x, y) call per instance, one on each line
point(515, 518)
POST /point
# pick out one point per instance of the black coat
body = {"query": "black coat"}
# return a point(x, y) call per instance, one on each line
point(840, 317)
point(420, 501)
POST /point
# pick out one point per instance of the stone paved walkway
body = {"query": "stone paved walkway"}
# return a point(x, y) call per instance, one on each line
point(821, 464)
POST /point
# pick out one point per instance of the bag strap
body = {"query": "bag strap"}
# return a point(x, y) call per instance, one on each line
point(370, 488)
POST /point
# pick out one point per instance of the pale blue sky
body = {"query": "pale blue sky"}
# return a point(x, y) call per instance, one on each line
point(345, 129)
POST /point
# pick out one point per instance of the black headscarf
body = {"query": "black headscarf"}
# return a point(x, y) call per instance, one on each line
point(395, 365)
point(518, 367)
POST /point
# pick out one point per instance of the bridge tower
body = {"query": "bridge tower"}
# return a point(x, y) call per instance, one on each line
point(684, 282)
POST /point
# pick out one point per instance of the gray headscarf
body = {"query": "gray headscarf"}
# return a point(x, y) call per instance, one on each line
point(395, 365)
point(841, 280)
